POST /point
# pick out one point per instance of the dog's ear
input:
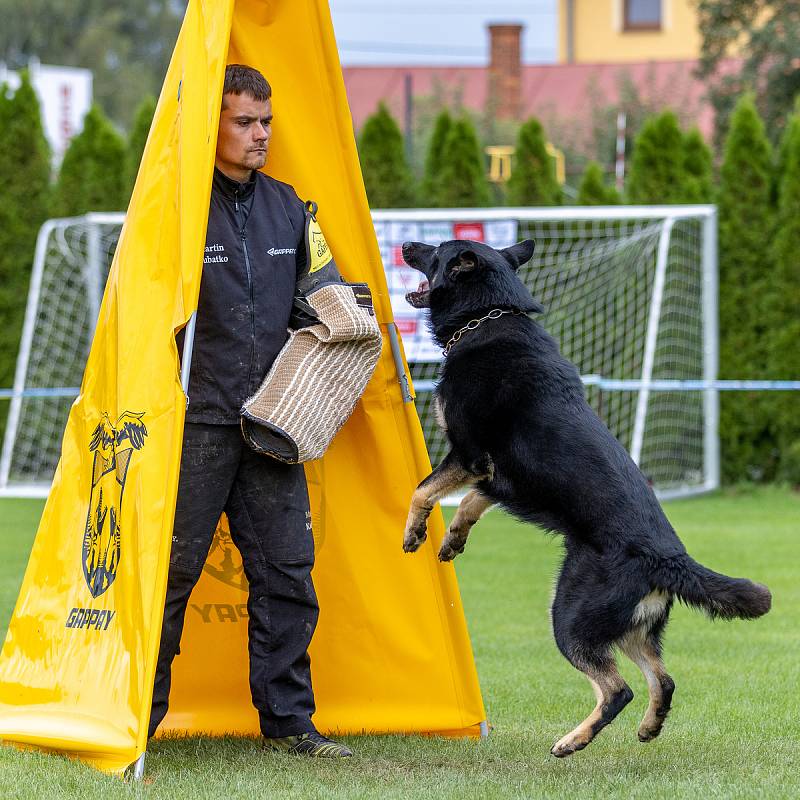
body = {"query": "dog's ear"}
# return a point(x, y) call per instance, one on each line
point(467, 261)
point(519, 254)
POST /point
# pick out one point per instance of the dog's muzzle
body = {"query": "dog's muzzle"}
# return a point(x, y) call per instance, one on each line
point(421, 298)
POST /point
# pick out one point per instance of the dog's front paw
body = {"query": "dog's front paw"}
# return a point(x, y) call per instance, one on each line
point(567, 746)
point(414, 537)
point(451, 548)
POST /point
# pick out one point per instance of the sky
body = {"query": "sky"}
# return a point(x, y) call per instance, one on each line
point(438, 31)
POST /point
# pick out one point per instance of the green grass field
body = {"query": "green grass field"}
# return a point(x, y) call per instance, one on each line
point(734, 731)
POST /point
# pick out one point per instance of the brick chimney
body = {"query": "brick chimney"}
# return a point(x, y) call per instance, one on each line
point(505, 71)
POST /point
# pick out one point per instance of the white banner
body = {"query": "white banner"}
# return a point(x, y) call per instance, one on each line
point(401, 279)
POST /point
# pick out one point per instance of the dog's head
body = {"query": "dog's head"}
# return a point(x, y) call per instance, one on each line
point(477, 274)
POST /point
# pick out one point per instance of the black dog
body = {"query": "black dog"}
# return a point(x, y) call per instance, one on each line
point(522, 434)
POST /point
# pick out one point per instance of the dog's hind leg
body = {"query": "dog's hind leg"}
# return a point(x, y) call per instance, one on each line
point(469, 512)
point(612, 694)
point(590, 613)
point(446, 478)
point(642, 644)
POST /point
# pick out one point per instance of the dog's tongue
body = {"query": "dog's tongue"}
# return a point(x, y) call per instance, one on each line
point(423, 287)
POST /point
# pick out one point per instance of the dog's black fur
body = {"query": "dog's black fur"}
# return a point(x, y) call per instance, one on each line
point(522, 433)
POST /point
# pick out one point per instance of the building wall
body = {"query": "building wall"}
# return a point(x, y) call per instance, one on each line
point(599, 35)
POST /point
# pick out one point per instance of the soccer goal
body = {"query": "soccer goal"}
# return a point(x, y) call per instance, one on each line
point(630, 294)
point(70, 268)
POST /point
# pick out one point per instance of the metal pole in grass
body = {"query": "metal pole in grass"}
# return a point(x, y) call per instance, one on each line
point(186, 366)
point(138, 767)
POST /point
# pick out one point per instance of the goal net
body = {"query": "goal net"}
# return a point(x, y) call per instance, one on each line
point(630, 295)
point(71, 264)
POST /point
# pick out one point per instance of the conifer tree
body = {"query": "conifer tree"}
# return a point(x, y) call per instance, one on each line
point(462, 175)
point(24, 205)
point(783, 322)
point(138, 137)
point(387, 176)
point(658, 164)
point(94, 174)
point(593, 190)
point(433, 159)
point(698, 187)
point(533, 176)
point(746, 222)
point(781, 154)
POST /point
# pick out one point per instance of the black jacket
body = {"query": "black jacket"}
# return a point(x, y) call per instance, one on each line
point(254, 253)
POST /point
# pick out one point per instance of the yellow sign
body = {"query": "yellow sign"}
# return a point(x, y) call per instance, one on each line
point(499, 162)
point(77, 666)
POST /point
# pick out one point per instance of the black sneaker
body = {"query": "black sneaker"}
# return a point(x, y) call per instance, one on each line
point(313, 745)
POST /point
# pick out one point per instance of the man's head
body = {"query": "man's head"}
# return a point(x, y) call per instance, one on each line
point(245, 122)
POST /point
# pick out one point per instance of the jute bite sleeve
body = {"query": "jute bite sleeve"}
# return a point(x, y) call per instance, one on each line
point(324, 367)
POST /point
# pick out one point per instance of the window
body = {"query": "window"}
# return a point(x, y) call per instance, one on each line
point(642, 15)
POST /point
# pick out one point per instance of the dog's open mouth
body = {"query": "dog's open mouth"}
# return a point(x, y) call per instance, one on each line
point(421, 297)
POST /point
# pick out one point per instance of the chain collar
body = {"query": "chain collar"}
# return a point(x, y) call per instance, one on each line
point(495, 313)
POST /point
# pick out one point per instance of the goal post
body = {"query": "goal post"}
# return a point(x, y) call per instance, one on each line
point(72, 258)
point(630, 293)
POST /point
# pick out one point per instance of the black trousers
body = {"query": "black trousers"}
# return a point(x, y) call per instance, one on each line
point(267, 507)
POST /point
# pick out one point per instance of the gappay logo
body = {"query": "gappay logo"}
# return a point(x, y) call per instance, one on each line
point(319, 254)
point(113, 446)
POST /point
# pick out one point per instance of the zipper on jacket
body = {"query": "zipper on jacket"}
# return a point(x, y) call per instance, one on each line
point(243, 234)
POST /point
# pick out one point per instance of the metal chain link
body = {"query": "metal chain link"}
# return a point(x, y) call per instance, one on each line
point(495, 313)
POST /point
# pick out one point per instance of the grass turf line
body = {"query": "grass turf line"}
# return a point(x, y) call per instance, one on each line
point(734, 731)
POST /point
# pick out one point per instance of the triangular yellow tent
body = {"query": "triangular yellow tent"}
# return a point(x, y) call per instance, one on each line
point(391, 651)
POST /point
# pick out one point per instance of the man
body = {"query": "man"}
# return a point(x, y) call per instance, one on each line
point(254, 253)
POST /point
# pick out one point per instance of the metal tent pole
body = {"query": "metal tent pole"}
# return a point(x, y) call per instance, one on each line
point(398, 363)
point(186, 366)
point(186, 361)
point(138, 767)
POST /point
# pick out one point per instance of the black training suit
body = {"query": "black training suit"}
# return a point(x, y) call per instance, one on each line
point(253, 255)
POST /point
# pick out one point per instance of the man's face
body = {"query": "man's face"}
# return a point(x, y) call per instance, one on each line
point(245, 128)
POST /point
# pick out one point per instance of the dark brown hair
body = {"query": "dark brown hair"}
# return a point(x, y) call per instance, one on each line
point(240, 79)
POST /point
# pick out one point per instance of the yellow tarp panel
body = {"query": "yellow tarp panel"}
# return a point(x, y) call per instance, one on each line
point(391, 651)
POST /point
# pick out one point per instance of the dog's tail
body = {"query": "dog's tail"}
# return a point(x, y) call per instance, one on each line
point(716, 594)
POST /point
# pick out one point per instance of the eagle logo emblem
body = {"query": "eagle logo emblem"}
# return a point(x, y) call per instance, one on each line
point(112, 445)
point(223, 561)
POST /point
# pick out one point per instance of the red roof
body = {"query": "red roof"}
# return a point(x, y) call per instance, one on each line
point(553, 91)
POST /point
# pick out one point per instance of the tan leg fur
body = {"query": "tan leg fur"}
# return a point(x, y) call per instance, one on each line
point(469, 512)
